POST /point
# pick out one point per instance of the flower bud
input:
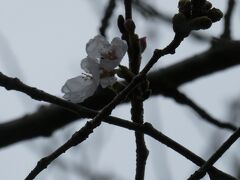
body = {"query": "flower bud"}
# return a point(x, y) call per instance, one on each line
point(184, 7)
point(207, 6)
point(182, 3)
point(200, 23)
point(130, 26)
point(215, 14)
point(121, 23)
point(180, 24)
point(198, 8)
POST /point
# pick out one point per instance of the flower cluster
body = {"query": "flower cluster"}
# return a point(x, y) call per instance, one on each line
point(195, 15)
point(102, 58)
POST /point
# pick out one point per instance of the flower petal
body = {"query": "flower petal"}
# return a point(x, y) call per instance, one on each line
point(90, 65)
point(96, 46)
point(119, 48)
point(79, 88)
point(107, 81)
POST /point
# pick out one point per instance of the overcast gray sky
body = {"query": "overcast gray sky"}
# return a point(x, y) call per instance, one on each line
point(43, 42)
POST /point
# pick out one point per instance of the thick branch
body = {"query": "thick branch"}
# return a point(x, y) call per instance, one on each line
point(224, 55)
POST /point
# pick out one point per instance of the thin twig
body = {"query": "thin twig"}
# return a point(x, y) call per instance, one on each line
point(39, 95)
point(137, 111)
point(227, 20)
point(107, 16)
point(170, 49)
point(128, 9)
point(172, 92)
point(200, 173)
point(142, 151)
point(141, 148)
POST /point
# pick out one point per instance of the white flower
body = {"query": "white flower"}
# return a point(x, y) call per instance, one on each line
point(102, 58)
point(108, 55)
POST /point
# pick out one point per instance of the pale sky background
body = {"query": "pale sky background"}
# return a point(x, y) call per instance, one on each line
point(43, 42)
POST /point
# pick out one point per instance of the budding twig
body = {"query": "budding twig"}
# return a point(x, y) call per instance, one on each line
point(137, 111)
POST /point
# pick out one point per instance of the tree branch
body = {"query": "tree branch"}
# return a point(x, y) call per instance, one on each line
point(169, 91)
point(149, 130)
point(82, 134)
point(227, 20)
point(10, 84)
point(57, 119)
point(128, 9)
point(107, 16)
point(50, 118)
point(137, 110)
point(223, 55)
point(200, 173)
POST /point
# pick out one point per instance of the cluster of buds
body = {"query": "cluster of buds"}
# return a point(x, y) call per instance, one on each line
point(194, 15)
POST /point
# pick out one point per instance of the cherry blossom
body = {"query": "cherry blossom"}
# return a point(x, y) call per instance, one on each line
point(102, 58)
